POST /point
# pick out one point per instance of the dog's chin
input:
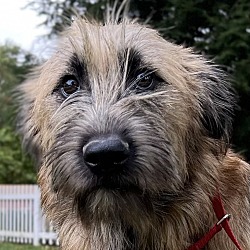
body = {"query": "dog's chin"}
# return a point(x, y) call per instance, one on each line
point(110, 201)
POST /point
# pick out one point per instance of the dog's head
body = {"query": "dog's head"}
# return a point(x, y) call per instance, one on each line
point(123, 119)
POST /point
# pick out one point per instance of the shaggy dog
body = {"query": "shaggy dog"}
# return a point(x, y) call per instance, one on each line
point(131, 137)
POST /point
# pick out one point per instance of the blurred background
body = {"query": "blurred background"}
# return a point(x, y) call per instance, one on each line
point(219, 29)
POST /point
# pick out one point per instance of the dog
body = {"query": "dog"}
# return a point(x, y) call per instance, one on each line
point(131, 135)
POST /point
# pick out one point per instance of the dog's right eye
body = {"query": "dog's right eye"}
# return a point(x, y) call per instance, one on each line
point(69, 85)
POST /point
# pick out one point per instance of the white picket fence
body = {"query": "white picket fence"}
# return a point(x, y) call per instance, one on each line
point(21, 220)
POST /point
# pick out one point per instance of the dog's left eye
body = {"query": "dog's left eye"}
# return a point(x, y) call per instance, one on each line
point(144, 81)
point(69, 86)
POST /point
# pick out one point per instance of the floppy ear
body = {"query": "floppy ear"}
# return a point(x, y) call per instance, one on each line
point(218, 103)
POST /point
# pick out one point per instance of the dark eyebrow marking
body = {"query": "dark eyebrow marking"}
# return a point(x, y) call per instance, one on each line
point(77, 67)
point(132, 64)
point(133, 59)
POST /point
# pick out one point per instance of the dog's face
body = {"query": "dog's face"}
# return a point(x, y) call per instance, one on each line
point(120, 117)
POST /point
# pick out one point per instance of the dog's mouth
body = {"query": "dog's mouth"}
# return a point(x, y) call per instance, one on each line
point(116, 190)
point(115, 184)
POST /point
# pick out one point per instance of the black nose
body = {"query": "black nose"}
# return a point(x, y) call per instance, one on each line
point(106, 155)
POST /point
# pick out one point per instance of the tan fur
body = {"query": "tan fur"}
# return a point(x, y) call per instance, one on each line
point(190, 168)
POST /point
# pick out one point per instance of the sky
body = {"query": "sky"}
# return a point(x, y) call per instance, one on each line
point(20, 26)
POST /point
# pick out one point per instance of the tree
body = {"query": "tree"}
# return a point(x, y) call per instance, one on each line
point(58, 13)
point(15, 167)
point(218, 29)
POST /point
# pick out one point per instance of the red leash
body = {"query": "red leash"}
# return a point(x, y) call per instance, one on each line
point(223, 222)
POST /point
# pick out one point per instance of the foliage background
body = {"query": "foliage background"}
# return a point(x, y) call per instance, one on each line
point(15, 167)
point(219, 29)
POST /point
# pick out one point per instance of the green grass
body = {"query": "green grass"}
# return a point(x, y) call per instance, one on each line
point(8, 246)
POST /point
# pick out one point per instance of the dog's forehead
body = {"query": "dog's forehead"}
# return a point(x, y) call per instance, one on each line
point(115, 35)
point(102, 44)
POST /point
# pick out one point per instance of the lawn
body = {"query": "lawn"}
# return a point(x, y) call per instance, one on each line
point(8, 246)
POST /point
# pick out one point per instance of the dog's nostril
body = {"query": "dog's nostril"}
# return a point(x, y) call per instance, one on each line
point(106, 155)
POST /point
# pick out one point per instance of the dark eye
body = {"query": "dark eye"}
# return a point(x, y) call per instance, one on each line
point(144, 81)
point(69, 86)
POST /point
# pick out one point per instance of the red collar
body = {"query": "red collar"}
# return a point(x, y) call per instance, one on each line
point(223, 222)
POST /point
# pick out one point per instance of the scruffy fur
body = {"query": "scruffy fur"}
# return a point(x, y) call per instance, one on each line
point(179, 131)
